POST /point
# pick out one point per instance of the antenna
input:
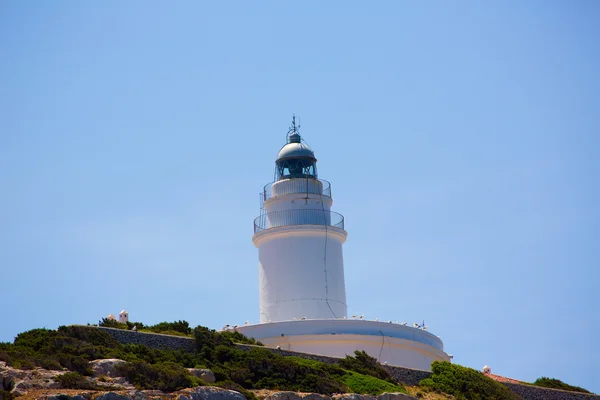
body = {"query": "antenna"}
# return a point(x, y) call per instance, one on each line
point(295, 127)
point(294, 130)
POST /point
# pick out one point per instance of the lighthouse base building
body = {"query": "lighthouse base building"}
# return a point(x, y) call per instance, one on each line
point(301, 274)
point(389, 343)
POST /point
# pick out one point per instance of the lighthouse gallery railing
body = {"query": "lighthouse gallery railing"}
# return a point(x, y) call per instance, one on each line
point(299, 186)
point(298, 217)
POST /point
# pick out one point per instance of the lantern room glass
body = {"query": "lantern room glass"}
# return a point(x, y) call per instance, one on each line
point(296, 168)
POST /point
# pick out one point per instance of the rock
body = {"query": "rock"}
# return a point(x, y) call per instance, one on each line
point(208, 393)
point(284, 396)
point(395, 396)
point(139, 395)
point(113, 396)
point(20, 388)
point(205, 374)
point(106, 367)
point(61, 396)
point(353, 396)
point(7, 383)
point(152, 393)
point(315, 396)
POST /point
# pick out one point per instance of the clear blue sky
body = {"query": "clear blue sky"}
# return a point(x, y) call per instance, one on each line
point(461, 140)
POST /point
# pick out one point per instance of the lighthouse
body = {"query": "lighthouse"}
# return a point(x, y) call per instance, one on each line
point(299, 240)
point(301, 288)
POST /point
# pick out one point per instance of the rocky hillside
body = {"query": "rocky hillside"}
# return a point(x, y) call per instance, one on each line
point(107, 384)
point(86, 363)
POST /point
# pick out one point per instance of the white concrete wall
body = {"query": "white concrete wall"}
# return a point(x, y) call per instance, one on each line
point(393, 351)
point(301, 273)
point(392, 343)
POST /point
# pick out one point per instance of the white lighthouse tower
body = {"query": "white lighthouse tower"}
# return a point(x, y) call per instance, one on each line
point(299, 240)
point(301, 274)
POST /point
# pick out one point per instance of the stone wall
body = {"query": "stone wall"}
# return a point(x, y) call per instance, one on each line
point(152, 340)
point(529, 392)
point(406, 376)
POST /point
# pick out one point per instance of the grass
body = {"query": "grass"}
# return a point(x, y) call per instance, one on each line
point(357, 382)
point(364, 384)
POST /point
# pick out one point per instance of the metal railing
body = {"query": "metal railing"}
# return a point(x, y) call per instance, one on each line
point(298, 185)
point(298, 217)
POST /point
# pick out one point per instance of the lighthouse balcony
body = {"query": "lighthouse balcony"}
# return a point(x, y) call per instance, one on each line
point(298, 217)
point(296, 185)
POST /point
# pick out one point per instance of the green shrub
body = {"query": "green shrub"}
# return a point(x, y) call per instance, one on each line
point(165, 376)
point(73, 380)
point(35, 339)
point(6, 395)
point(111, 323)
point(366, 365)
point(557, 384)
point(182, 327)
point(464, 383)
point(365, 384)
point(237, 337)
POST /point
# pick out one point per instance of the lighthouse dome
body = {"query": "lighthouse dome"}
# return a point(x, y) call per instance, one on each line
point(295, 159)
point(296, 150)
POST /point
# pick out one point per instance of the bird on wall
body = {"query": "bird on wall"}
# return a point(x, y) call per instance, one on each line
point(303, 318)
point(403, 324)
point(361, 317)
point(376, 319)
point(246, 323)
point(354, 316)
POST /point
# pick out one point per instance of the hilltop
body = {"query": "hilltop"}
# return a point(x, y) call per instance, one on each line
point(45, 362)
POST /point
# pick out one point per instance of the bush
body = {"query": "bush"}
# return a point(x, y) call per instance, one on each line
point(464, 383)
point(557, 384)
point(165, 376)
point(6, 395)
point(365, 384)
point(73, 380)
point(181, 327)
point(366, 365)
point(237, 337)
point(111, 323)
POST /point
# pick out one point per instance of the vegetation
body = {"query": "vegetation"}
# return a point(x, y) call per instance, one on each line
point(234, 368)
point(358, 383)
point(464, 383)
point(73, 380)
point(366, 365)
point(557, 384)
point(177, 328)
point(6, 395)
point(262, 369)
point(166, 376)
point(73, 347)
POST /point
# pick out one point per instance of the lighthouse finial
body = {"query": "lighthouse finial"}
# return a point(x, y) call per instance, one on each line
point(293, 134)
